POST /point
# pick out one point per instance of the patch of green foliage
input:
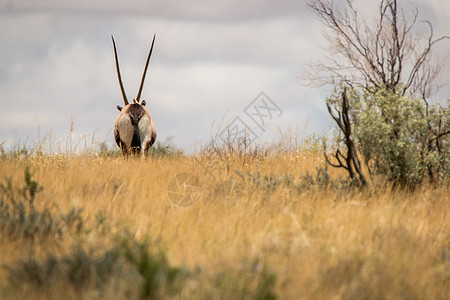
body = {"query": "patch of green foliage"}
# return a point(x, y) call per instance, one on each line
point(253, 280)
point(21, 218)
point(154, 269)
point(400, 137)
point(78, 269)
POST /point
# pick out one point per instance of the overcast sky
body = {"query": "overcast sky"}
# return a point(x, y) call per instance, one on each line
point(211, 59)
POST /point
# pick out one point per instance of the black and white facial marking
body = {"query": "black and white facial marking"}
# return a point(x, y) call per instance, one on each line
point(135, 111)
point(134, 130)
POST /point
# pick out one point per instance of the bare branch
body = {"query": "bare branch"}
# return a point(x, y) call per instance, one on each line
point(387, 54)
point(350, 161)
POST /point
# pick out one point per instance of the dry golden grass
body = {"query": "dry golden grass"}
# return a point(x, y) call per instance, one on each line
point(253, 214)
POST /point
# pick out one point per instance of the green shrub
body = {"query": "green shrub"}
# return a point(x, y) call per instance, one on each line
point(20, 218)
point(80, 268)
point(400, 137)
point(253, 280)
point(156, 273)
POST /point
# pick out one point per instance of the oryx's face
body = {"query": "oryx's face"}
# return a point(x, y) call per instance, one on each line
point(134, 129)
point(135, 111)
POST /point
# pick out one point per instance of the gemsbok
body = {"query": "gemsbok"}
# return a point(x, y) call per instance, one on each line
point(134, 130)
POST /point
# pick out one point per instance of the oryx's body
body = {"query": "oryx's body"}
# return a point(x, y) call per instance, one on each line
point(134, 130)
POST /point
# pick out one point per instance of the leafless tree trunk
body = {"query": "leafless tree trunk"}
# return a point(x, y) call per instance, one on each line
point(350, 161)
point(391, 54)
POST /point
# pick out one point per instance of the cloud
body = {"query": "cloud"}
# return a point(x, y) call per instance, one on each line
point(199, 10)
point(209, 58)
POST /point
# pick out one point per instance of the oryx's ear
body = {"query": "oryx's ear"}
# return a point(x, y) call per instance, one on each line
point(143, 103)
point(119, 108)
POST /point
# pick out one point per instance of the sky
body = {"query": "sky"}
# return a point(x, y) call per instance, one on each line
point(212, 61)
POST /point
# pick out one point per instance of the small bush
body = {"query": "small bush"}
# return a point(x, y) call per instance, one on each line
point(164, 149)
point(403, 138)
point(126, 261)
point(80, 268)
point(20, 218)
point(156, 273)
point(253, 280)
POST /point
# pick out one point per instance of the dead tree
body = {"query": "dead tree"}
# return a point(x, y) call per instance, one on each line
point(389, 54)
point(350, 160)
point(393, 54)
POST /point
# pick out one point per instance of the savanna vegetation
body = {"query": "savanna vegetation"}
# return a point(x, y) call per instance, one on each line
point(383, 71)
point(261, 225)
point(365, 218)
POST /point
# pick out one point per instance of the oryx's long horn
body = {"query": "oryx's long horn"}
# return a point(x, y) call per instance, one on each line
point(118, 73)
point(145, 70)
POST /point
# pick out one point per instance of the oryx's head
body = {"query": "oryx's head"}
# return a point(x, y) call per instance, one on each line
point(125, 100)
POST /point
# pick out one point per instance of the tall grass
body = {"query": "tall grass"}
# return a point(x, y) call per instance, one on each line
point(264, 225)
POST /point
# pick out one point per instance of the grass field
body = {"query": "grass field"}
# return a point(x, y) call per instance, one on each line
point(250, 227)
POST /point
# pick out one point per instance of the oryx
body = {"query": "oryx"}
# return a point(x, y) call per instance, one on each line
point(134, 130)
